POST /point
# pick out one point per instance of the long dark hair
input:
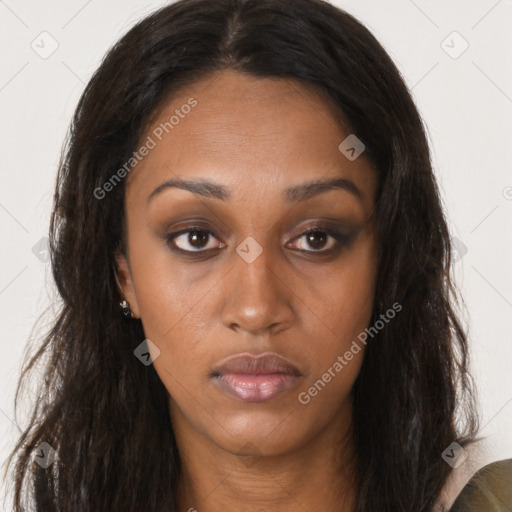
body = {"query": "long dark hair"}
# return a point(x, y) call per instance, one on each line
point(104, 413)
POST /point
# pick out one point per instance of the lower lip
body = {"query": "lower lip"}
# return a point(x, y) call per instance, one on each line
point(256, 388)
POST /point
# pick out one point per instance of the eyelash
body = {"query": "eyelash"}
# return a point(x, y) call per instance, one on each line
point(341, 240)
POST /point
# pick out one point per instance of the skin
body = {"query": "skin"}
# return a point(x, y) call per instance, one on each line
point(256, 137)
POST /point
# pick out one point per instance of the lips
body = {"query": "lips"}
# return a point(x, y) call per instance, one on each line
point(251, 378)
point(262, 364)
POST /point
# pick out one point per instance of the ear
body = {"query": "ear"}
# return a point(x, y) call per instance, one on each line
point(125, 283)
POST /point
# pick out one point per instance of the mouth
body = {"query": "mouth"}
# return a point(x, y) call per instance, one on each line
point(256, 379)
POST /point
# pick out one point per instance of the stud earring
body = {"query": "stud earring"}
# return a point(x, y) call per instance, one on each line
point(125, 306)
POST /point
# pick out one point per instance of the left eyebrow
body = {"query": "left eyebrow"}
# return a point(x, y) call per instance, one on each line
point(313, 188)
point(297, 193)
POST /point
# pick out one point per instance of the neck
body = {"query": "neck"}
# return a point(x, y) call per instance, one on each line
point(318, 476)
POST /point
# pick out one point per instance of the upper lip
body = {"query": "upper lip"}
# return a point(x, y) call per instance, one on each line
point(250, 364)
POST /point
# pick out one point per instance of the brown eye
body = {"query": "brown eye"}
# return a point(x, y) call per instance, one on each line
point(319, 240)
point(192, 239)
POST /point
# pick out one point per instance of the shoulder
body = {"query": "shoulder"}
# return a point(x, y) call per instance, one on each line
point(489, 490)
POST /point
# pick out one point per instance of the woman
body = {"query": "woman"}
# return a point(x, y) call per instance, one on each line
point(254, 264)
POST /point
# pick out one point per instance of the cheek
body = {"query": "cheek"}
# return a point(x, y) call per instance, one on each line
point(352, 302)
point(175, 308)
point(343, 301)
point(174, 319)
point(167, 297)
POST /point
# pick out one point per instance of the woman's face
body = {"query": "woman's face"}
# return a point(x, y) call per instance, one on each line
point(246, 278)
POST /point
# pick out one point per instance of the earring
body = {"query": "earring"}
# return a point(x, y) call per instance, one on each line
point(125, 306)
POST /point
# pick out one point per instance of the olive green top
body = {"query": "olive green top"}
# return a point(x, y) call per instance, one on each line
point(489, 490)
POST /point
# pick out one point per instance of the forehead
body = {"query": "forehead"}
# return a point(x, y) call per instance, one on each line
point(255, 135)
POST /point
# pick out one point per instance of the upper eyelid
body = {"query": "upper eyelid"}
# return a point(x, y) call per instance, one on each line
point(332, 232)
point(317, 227)
point(318, 224)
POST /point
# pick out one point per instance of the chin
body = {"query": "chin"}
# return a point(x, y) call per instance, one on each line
point(262, 433)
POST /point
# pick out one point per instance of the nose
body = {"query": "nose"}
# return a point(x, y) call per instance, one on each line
point(257, 298)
